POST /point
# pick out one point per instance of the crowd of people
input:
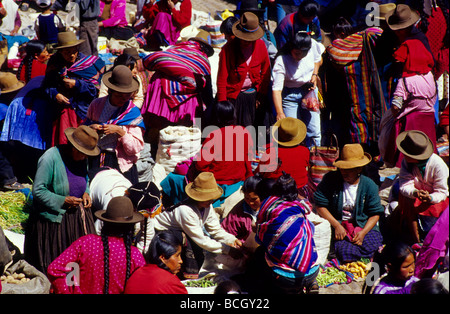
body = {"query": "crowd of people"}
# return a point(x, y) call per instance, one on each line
point(77, 129)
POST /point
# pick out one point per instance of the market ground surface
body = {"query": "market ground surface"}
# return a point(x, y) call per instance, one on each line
point(212, 6)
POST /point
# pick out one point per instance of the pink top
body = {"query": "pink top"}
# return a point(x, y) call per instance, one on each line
point(423, 93)
point(117, 16)
point(87, 252)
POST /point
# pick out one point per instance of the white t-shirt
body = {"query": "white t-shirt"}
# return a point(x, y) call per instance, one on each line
point(349, 200)
point(289, 73)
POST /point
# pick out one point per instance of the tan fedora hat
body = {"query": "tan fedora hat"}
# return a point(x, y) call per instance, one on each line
point(352, 156)
point(83, 138)
point(120, 210)
point(204, 37)
point(289, 131)
point(67, 39)
point(415, 144)
point(401, 17)
point(383, 9)
point(204, 188)
point(121, 79)
point(248, 28)
point(9, 83)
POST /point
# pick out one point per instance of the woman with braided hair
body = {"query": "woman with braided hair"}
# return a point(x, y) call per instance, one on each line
point(101, 264)
point(35, 61)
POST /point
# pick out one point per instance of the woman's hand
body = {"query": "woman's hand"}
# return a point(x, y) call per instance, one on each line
point(69, 83)
point(313, 82)
point(359, 237)
point(113, 129)
point(237, 243)
point(61, 99)
point(170, 4)
point(96, 126)
point(422, 195)
point(339, 232)
point(87, 201)
point(72, 201)
point(280, 116)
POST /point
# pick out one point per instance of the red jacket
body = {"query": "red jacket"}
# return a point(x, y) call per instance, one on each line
point(181, 18)
point(233, 70)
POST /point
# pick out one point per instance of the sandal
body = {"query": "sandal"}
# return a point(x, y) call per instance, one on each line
point(313, 288)
point(14, 186)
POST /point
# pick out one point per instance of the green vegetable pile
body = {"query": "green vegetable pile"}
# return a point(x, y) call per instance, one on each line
point(14, 209)
point(201, 283)
point(329, 276)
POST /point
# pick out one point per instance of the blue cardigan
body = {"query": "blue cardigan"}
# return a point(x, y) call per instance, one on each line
point(330, 195)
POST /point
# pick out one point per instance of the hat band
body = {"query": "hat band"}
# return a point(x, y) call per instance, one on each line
point(198, 189)
point(248, 30)
point(69, 43)
point(128, 218)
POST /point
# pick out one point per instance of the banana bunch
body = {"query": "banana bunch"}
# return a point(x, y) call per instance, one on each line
point(358, 269)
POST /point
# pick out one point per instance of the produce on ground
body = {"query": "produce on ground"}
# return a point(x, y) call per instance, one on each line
point(358, 269)
point(329, 276)
point(204, 282)
point(15, 278)
point(14, 208)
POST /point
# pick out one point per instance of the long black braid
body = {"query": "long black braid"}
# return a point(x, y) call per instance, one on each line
point(105, 262)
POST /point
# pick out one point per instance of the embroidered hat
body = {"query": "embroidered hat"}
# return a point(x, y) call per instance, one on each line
point(204, 188)
point(83, 138)
point(248, 28)
point(67, 39)
point(121, 80)
point(401, 17)
point(415, 144)
point(352, 156)
point(120, 210)
point(289, 131)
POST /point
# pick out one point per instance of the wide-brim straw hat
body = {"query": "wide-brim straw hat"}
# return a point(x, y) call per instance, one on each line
point(204, 188)
point(9, 83)
point(415, 144)
point(121, 80)
point(383, 9)
point(248, 27)
point(120, 210)
point(67, 39)
point(289, 132)
point(352, 156)
point(204, 37)
point(401, 17)
point(84, 139)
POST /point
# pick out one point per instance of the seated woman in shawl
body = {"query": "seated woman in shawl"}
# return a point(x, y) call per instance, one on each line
point(71, 82)
point(181, 83)
point(166, 19)
point(119, 124)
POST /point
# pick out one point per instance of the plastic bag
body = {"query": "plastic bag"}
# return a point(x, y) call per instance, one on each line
point(311, 102)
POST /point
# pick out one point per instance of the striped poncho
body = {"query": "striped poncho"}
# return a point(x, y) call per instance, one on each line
point(183, 68)
point(286, 235)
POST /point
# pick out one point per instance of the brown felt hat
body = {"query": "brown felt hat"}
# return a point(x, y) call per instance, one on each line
point(83, 138)
point(248, 28)
point(204, 188)
point(132, 52)
point(205, 38)
point(121, 80)
point(289, 131)
point(415, 144)
point(401, 17)
point(352, 156)
point(67, 39)
point(120, 210)
point(9, 83)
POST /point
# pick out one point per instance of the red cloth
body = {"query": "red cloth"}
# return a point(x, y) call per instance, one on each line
point(416, 58)
point(428, 209)
point(437, 29)
point(233, 70)
point(444, 117)
point(181, 18)
point(150, 279)
point(294, 161)
point(228, 153)
point(67, 118)
point(351, 229)
point(37, 69)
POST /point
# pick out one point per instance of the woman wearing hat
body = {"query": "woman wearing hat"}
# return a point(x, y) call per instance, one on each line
point(61, 210)
point(295, 75)
point(244, 69)
point(423, 183)
point(119, 124)
point(194, 215)
point(102, 263)
point(289, 155)
point(350, 202)
point(415, 95)
point(71, 82)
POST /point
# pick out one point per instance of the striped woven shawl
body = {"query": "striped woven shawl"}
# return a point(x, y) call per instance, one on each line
point(182, 68)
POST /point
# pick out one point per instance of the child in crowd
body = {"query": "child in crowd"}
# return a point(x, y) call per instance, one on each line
point(242, 218)
point(399, 261)
point(48, 25)
point(35, 61)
